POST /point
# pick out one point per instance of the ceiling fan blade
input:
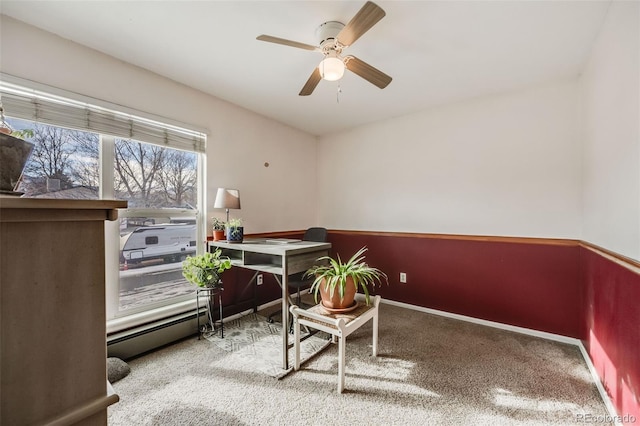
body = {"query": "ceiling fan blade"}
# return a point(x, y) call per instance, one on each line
point(366, 18)
point(366, 71)
point(286, 42)
point(311, 84)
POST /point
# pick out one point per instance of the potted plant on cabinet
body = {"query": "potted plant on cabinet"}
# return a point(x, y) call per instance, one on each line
point(235, 231)
point(338, 281)
point(218, 229)
point(204, 270)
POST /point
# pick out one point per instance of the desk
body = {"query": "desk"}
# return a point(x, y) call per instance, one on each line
point(276, 259)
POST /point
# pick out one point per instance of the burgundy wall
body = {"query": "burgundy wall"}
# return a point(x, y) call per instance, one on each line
point(529, 285)
point(612, 322)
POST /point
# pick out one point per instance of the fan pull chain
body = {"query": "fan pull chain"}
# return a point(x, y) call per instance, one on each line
point(338, 94)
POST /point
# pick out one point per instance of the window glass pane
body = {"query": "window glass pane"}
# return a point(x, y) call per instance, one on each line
point(151, 176)
point(151, 258)
point(64, 163)
point(159, 179)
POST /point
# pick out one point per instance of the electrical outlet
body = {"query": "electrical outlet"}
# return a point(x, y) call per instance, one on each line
point(403, 277)
point(259, 279)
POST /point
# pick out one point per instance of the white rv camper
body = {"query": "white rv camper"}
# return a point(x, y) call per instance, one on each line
point(168, 242)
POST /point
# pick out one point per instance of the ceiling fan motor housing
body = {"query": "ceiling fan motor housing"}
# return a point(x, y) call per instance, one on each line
point(326, 33)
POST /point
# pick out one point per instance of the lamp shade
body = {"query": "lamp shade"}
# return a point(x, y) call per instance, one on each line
point(227, 199)
point(331, 68)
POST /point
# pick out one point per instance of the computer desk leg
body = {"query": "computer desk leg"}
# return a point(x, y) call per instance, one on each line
point(285, 315)
point(255, 291)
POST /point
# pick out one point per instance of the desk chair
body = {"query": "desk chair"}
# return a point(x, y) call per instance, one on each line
point(298, 281)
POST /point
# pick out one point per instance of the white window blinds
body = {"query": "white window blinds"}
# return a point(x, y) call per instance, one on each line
point(30, 104)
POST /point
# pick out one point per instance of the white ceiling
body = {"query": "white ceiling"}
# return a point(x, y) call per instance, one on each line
point(436, 51)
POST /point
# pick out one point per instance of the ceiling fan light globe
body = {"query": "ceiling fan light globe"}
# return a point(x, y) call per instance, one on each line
point(331, 68)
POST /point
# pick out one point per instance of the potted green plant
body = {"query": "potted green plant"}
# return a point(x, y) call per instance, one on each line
point(235, 231)
point(338, 281)
point(204, 270)
point(218, 229)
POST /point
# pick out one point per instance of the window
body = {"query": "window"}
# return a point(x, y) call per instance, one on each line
point(85, 151)
point(160, 185)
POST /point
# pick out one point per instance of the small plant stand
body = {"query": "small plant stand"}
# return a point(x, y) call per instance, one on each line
point(339, 325)
point(209, 294)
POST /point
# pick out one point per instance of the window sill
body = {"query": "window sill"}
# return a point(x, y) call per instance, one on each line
point(126, 322)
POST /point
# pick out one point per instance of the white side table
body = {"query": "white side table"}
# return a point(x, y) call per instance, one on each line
point(338, 325)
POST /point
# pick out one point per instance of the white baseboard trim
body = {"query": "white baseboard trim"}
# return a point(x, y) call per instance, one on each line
point(530, 332)
point(516, 329)
point(596, 378)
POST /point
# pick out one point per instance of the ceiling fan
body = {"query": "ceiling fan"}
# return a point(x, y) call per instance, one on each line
point(334, 37)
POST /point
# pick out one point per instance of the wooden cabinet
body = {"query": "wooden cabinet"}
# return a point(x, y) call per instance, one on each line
point(52, 311)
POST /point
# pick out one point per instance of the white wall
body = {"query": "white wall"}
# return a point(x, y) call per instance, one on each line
point(500, 165)
point(611, 91)
point(280, 197)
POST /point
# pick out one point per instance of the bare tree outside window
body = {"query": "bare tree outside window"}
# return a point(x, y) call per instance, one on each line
point(179, 178)
point(86, 166)
point(51, 157)
point(63, 164)
point(138, 166)
point(150, 176)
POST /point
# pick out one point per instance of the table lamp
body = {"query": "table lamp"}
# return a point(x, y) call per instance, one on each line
point(227, 199)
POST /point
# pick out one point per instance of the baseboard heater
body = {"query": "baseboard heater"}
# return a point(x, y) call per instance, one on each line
point(139, 340)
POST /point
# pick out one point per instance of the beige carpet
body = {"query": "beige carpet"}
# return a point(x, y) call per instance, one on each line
point(430, 371)
point(256, 345)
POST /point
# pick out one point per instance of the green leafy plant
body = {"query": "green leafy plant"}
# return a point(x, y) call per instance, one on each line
point(233, 226)
point(204, 270)
point(218, 225)
point(235, 223)
point(334, 273)
point(23, 134)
